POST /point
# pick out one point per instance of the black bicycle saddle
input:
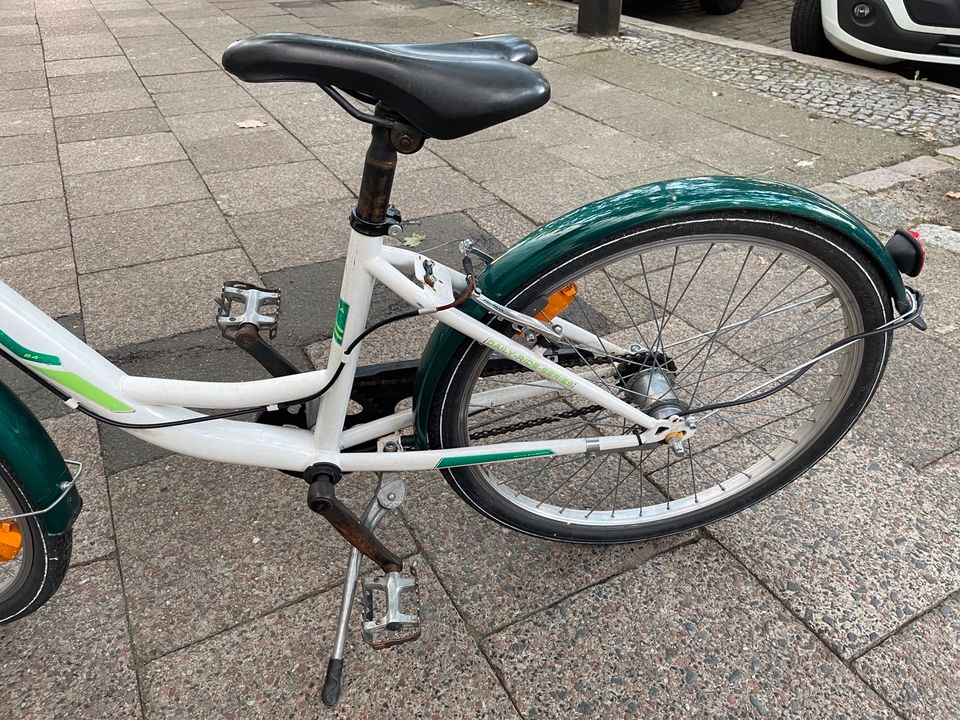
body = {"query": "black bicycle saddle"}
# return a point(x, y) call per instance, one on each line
point(446, 90)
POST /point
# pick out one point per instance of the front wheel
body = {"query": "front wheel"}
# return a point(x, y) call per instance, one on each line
point(720, 7)
point(705, 309)
point(32, 564)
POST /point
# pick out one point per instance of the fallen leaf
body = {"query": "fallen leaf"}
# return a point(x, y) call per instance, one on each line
point(414, 239)
point(250, 123)
point(954, 194)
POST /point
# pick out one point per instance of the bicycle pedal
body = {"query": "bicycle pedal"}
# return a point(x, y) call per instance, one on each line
point(242, 304)
point(385, 597)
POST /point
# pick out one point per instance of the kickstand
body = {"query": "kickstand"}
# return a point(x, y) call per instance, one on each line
point(388, 497)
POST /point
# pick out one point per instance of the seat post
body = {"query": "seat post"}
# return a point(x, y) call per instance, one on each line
point(377, 181)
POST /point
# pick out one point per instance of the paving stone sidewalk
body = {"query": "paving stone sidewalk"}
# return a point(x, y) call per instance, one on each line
point(136, 175)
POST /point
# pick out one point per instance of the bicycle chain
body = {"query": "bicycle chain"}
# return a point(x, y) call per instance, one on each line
point(527, 424)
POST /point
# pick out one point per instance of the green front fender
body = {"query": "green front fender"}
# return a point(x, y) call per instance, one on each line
point(26, 448)
point(584, 226)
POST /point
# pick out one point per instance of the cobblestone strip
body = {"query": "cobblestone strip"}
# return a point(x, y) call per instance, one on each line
point(896, 105)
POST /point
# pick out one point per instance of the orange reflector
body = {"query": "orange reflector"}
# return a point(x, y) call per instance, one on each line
point(10, 541)
point(557, 303)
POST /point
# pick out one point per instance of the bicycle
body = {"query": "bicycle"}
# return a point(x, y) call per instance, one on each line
point(643, 365)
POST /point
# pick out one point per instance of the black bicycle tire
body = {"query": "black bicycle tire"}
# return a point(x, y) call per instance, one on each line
point(47, 564)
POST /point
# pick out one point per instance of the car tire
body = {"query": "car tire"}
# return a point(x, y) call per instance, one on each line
point(806, 30)
point(720, 7)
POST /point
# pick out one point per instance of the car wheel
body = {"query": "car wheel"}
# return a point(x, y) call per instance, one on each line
point(806, 30)
point(720, 7)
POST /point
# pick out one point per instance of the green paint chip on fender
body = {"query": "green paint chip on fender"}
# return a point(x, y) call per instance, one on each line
point(490, 457)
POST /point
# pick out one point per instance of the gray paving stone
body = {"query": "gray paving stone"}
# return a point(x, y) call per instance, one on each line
point(878, 179)
point(880, 213)
point(545, 201)
point(498, 159)
point(183, 82)
point(315, 119)
point(26, 99)
point(613, 155)
point(277, 186)
point(24, 57)
point(247, 544)
point(643, 175)
point(223, 123)
point(76, 438)
point(22, 79)
point(72, 47)
point(730, 650)
point(20, 149)
point(435, 191)
point(131, 188)
point(33, 226)
point(921, 167)
point(110, 124)
point(295, 236)
point(940, 284)
point(116, 63)
point(123, 27)
point(903, 390)
point(187, 102)
point(90, 156)
point(916, 669)
point(953, 152)
point(73, 653)
point(515, 575)
point(838, 547)
point(35, 181)
point(25, 122)
point(139, 236)
point(182, 302)
point(94, 82)
point(100, 101)
point(743, 152)
point(47, 278)
point(940, 235)
point(277, 662)
point(237, 152)
point(162, 55)
point(502, 222)
point(836, 192)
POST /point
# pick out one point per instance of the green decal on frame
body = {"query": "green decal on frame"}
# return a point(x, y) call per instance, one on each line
point(342, 310)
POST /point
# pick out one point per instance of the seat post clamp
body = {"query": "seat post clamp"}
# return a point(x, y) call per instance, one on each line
point(405, 138)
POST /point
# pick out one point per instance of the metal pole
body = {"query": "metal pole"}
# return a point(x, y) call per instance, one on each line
point(599, 17)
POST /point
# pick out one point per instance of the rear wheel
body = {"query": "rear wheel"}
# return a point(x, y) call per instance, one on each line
point(32, 564)
point(718, 306)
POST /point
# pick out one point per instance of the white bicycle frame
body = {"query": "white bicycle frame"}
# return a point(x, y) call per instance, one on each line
point(88, 379)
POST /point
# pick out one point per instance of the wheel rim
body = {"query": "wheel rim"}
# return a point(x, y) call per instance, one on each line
point(734, 450)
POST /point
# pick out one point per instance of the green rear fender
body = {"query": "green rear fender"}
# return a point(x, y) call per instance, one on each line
point(26, 448)
point(595, 221)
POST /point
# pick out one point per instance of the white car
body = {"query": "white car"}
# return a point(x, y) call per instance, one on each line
point(878, 31)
